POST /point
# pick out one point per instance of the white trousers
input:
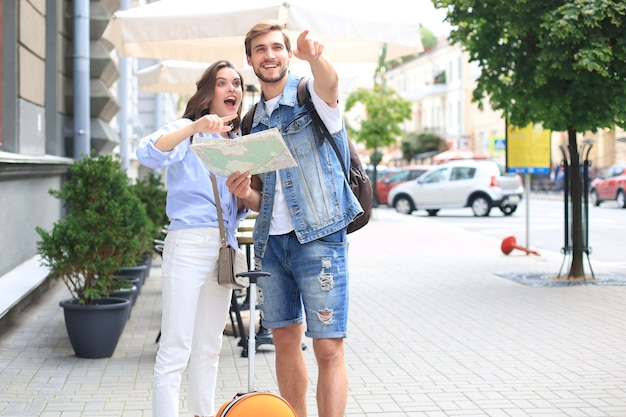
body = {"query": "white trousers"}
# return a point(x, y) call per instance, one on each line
point(195, 311)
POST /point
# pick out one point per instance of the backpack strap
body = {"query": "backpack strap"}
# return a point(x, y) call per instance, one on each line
point(303, 92)
point(304, 97)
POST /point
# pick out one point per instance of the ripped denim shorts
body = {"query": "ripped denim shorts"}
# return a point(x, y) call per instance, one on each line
point(308, 281)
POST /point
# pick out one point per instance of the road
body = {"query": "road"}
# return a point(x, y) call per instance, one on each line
point(546, 226)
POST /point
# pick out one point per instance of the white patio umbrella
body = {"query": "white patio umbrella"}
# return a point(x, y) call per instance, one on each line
point(171, 76)
point(208, 30)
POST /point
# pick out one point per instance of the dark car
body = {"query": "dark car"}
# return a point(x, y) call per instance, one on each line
point(391, 179)
point(610, 185)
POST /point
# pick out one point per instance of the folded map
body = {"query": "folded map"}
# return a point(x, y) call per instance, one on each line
point(264, 151)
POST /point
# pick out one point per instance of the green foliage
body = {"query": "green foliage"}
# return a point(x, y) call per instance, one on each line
point(376, 157)
point(100, 233)
point(385, 110)
point(556, 62)
point(561, 63)
point(152, 194)
point(429, 40)
point(415, 143)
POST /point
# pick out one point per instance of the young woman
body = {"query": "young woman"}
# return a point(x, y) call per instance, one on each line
point(195, 306)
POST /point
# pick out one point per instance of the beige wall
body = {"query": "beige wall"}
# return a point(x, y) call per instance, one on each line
point(435, 108)
point(32, 51)
point(446, 109)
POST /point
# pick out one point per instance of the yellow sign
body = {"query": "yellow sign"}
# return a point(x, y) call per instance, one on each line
point(528, 149)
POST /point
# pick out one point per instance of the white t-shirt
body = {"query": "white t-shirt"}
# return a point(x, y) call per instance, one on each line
point(280, 223)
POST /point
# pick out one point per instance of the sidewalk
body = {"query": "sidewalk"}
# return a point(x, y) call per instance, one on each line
point(433, 332)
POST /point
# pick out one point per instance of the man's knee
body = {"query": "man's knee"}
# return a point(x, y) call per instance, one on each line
point(288, 336)
point(328, 350)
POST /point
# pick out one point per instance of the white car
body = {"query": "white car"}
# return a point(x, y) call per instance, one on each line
point(480, 185)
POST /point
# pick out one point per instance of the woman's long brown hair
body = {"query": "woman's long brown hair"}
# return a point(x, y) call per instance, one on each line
point(200, 103)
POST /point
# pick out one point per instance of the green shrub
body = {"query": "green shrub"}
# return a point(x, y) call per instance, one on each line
point(151, 192)
point(100, 233)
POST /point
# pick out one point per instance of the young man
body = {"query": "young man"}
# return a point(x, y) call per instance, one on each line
point(300, 232)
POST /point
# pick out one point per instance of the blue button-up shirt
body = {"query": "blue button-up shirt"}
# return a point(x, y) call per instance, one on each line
point(190, 199)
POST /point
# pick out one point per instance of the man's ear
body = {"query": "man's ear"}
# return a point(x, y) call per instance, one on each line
point(248, 60)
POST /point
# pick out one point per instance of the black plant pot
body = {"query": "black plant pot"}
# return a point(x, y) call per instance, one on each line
point(134, 281)
point(129, 294)
point(94, 330)
point(139, 271)
point(147, 261)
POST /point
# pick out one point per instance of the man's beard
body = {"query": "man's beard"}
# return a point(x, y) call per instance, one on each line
point(271, 80)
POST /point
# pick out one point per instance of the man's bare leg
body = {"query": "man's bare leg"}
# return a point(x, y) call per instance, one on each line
point(291, 369)
point(332, 383)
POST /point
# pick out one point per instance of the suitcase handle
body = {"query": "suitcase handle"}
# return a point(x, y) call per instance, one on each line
point(253, 275)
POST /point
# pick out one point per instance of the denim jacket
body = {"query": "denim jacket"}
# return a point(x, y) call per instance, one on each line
point(317, 193)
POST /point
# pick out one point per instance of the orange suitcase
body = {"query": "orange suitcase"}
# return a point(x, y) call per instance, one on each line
point(255, 403)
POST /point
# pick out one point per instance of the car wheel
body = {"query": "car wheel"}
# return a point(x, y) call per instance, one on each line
point(403, 204)
point(432, 212)
point(508, 210)
point(593, 198)
point(621, 199)
point(481, 206)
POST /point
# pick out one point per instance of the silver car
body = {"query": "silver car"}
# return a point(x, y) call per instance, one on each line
point(480, 185)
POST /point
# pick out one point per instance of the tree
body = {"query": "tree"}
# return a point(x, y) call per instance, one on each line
point(429, 40)
point(380, 127)
point(555, 62)
point(413, 144)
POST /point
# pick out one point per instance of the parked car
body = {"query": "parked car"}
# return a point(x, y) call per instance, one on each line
point(393, 178)
point(480, 185)
point(381, 171)
point(559, 178)
point(610, 185)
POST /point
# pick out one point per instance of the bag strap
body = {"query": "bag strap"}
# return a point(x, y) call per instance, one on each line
point(219, 209)
point(304, 95)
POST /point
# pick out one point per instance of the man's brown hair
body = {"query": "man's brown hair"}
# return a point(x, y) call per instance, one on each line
point(262, 28)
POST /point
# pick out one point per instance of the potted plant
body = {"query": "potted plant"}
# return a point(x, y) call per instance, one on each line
point(86, 247)
point(127, 289)
point(152, 193)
